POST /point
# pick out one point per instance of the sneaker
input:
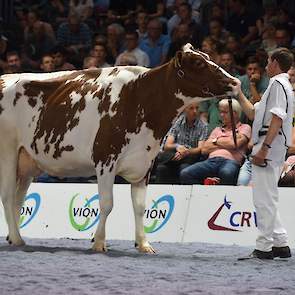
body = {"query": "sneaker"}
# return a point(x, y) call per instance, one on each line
point(258, 254)
point(282, 252)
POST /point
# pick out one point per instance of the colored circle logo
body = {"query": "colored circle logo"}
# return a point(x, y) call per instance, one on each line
point(84, 214)
point(29, 209)
point(159, 213)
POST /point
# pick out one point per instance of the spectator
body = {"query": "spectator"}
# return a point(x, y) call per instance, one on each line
point(100, 53)
point(233, 44)
point(155, 44)
point(75, 36)
point(13, 63)
point(84, 8)
point(121, 10)
point(181, 36)
point(55, 12)
point(182, 146)
point(47, 63)
point(141, 22)
point(115, 41)
point(224, 158)
point(59, 56)
point(38, 35)
point(255, 81)
point(227, 62)
point(283, 36)
point(269, 42)
point(211, 47)
point(3, 51)
point(127, 59)
point(154, 8)
point(141, 58)
point(217, 31)
point(90, 62)
point(241, 22)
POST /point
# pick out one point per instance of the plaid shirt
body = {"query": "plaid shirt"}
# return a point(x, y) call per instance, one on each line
point(186, 135)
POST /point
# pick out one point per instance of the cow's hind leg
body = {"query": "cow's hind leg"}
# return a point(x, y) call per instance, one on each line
point(8, 193)
point(138, 194)
point(105, 190)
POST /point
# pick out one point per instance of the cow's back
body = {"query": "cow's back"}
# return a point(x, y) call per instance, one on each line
point(56, 116)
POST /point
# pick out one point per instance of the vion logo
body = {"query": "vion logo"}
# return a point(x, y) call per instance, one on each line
point(84, 212)
point(29, 209)
point(233, 219)
point(159, 214)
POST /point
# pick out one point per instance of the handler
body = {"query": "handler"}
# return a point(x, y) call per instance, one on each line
point(271, 135)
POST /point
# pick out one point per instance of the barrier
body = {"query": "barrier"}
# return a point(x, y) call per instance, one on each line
point(174, 213)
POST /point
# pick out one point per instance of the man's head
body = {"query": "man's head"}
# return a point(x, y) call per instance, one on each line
point(253, 67)
point(154, 29)
point(280, 61)
point(131, 40)
point(184, 11)
point(282, 36)
point(90, 62)
point(74, 22)
point(225, 114)
point(192, 112)
point(291, 73)
point(14, 62)
point(47, 63)
point(59, 55)
point(99, 51)
point(226, 60)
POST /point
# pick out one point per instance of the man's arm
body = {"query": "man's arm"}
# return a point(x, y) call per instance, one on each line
point(246, 105)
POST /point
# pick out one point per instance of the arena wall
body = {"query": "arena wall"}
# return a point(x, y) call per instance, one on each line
point(174, 213)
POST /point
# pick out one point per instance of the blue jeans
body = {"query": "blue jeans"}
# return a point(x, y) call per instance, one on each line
point(227, 170)
point(245, 173)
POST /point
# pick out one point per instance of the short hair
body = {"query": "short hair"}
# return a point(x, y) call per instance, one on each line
point(132, 32)
point(11, 53)
point(252, 60)
point(284, 57)
point(235, 104)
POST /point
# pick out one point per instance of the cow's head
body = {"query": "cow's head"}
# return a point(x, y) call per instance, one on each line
point(198, 76)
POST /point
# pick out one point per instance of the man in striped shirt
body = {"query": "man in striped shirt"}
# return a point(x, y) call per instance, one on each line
point(182, 146)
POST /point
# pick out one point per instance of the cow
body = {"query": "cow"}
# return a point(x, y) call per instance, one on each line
point(102, 122)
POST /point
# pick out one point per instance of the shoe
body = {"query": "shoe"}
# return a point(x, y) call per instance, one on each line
point(282, 252)
point(258, 254)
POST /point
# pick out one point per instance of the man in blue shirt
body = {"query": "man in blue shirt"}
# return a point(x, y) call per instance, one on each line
point(155, 44)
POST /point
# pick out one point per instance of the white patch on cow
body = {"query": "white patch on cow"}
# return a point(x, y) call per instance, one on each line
point(75, 97)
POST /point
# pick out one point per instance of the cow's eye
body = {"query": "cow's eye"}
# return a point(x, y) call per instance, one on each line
point(199, 63)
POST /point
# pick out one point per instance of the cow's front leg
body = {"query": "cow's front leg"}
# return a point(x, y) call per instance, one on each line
point(138, 194)
point(105, 190)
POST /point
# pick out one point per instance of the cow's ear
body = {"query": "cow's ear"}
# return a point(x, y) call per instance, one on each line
point(178, 59)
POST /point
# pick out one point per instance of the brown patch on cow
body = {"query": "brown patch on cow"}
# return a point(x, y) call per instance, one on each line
point(114, 72)
point(141, 101)
point(16, 98)
point(105, 99)
point(2, 84)
point(148, 148)
point(57, 113)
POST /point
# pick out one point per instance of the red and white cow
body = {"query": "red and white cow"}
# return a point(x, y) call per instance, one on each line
point(106, 122)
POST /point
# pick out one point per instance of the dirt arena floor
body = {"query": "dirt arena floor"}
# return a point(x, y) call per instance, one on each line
point(62, 266)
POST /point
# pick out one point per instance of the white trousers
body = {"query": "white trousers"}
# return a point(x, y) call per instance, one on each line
point(266, 197)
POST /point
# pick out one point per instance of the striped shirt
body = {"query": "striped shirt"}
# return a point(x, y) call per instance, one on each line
point(186, 135)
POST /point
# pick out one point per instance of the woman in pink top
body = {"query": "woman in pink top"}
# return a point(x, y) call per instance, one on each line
point(224, 157)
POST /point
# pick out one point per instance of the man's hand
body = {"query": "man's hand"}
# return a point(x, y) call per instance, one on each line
point(181, 152)
point(236, 87)
point(259, 158)
point(255, 78)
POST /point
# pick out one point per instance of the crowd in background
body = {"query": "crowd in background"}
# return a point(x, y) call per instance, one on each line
point(238, 35)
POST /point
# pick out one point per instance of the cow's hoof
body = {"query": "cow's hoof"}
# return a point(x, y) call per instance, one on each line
point(99, 247)
point(146, 248)
point(18, 242)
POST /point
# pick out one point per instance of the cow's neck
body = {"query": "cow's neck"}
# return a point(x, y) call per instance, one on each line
point(155, 92)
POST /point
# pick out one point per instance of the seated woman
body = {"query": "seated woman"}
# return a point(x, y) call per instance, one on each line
point(224, 157)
